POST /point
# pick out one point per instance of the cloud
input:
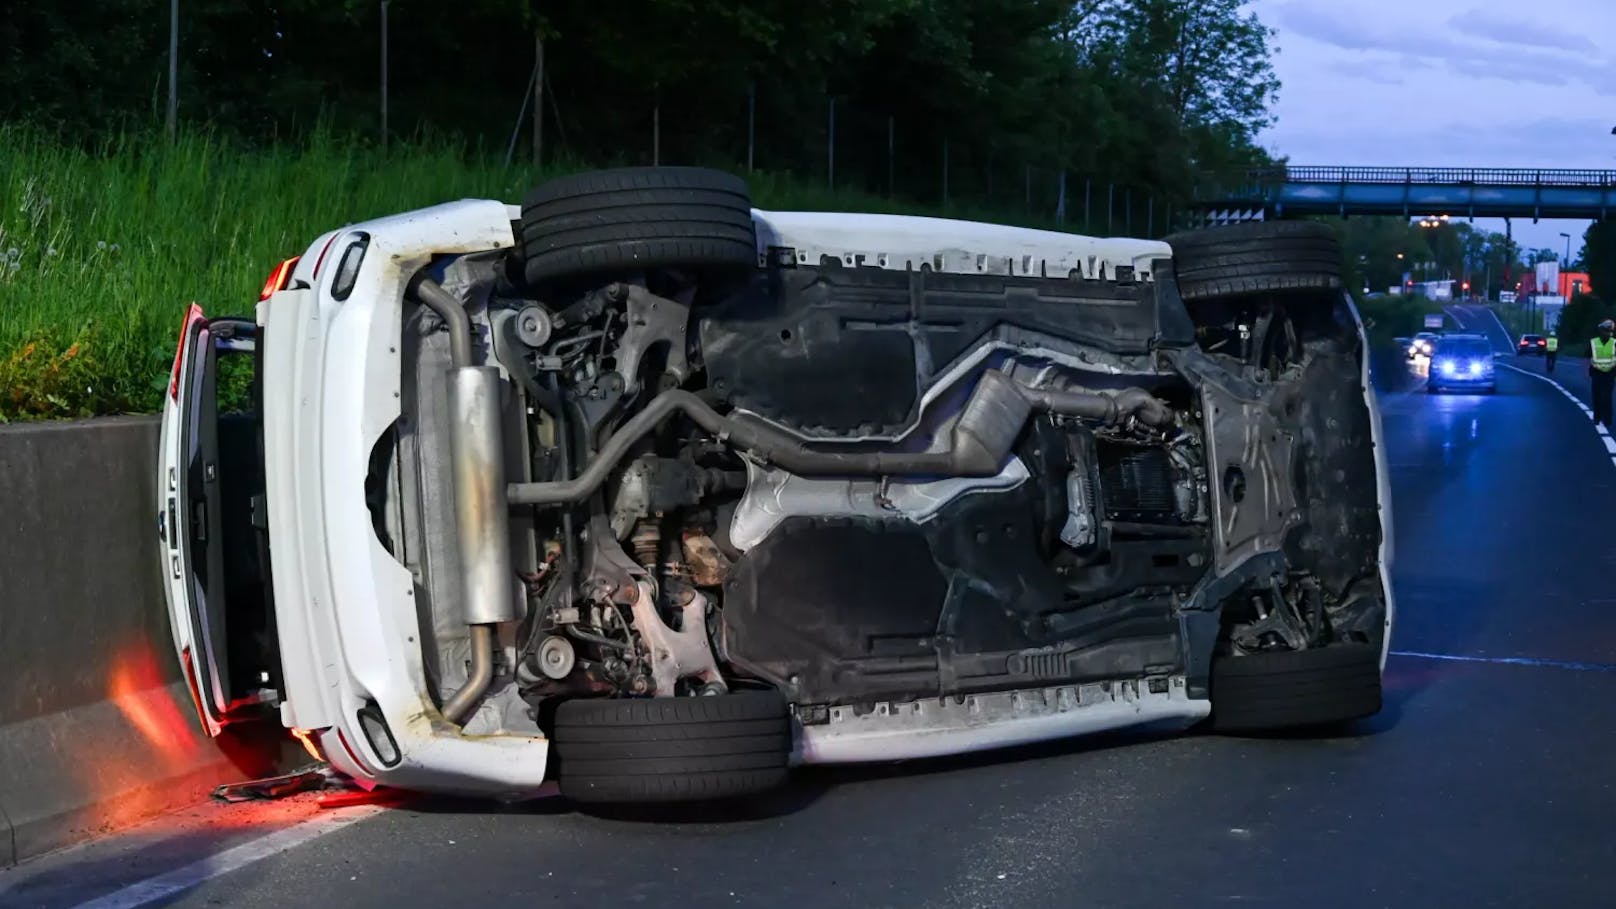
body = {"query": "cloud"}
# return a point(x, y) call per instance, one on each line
point(1504, 30)
point(1512, 70)
point(1546, 142)
point(1540, 56)
point(1321, 24)
point(1368, 71)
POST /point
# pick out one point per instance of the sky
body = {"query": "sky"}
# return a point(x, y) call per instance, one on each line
point(1479, 83)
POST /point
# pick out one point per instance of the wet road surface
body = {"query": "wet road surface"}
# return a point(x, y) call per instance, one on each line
point(1487, 780)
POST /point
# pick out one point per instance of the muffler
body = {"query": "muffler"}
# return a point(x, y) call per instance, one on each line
point(477, 456)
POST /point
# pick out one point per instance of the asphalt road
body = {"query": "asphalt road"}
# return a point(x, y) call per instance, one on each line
point(1485, 782)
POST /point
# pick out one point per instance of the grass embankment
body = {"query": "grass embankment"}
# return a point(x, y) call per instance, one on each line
point(101, 250)
point(1388, 316)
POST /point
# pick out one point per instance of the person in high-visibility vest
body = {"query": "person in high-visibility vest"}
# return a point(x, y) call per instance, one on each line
point(1602, 370)
point(1552, 348)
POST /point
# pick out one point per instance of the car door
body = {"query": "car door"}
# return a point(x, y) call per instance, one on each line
point(211, 521)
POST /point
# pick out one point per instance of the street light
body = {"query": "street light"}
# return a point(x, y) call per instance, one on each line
point(1567, 259)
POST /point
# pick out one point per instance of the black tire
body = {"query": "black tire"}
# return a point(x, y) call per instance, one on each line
point(1261, 257)
point(634, 218)
point(668, 750)
point(1261, 692)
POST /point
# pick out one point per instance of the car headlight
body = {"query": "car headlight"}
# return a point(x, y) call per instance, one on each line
point(1449, 368)
point(1475, 367)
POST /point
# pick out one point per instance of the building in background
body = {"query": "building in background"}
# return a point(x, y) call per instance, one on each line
point(1573, 283)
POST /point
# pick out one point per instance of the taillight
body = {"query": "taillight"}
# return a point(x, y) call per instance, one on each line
point(194, 314)
point(278, 279)
point(191, 683)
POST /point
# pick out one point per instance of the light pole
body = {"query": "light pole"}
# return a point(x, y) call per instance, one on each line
point(1567, 259)
point(1431, 244)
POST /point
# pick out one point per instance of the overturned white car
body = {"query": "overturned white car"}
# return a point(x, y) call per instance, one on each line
point(647, 491)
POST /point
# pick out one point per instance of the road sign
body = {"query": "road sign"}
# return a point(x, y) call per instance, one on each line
point(1433, 321)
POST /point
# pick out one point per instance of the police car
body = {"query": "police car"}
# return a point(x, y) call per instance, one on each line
point(1462, 362)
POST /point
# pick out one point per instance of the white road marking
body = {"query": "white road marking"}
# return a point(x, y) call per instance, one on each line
point(179, 880)
point(1509, 661)
point(1563, 390)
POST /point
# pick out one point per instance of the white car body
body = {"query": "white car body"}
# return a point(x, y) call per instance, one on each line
point(344, 607)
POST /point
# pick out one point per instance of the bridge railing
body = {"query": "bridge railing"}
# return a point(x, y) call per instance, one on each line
point(1453, 176)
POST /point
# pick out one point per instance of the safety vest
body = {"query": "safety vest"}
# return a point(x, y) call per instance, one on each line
point(1604, 355)
point(1554, 344)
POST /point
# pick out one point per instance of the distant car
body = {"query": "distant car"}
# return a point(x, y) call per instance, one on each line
point(1462, 362)
point(1422, 344)
point(1531, 344)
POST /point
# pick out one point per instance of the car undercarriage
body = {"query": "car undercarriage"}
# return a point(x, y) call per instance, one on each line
point(824, 493)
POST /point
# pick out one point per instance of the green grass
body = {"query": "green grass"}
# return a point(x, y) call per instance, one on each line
point(101, 250)
point(1388, 316)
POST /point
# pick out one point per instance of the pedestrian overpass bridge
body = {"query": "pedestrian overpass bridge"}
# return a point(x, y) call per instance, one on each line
point(1291, 191)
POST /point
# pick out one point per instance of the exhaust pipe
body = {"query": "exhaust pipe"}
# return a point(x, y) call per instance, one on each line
point(478, 467)
point(981, 439)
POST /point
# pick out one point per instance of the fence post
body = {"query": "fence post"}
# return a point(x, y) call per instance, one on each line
point(1060, 199)
point(384, 75)
point(830, 146)
point(751, 123)
point(892, 129)
point(173, 68)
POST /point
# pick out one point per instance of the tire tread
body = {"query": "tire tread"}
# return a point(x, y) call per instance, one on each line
point(662, 750)
point(1270, 691)
point(600, 222)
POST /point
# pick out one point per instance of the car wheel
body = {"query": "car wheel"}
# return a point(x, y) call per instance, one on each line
point(636, 218)
point(1294, 688)
point(666, 750)
point(1261, 257)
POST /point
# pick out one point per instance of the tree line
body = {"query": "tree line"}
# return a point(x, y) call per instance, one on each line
point(917, 98)
point(1380, 251)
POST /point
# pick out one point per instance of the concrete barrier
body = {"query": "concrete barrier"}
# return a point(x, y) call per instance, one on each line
point(96, 728)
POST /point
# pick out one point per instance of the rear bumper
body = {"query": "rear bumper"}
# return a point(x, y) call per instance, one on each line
point(348, 626)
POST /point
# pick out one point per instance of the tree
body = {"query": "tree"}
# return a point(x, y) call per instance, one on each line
point(1599, 254)
point(1203, 61)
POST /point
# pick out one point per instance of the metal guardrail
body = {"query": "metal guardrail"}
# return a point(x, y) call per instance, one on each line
point(1451, 176)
